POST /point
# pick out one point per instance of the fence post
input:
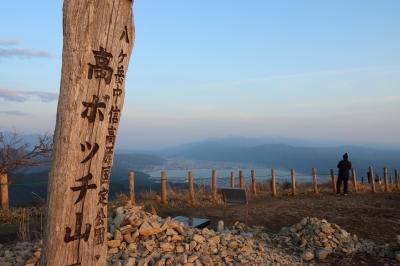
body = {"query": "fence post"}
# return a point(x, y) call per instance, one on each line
point(232, 180)
point(314, 180)
point(372, 179)
point(191, 186)
point(398, 180)
point(354, 178)
point(214, 184)
point(241, 179)
point(132, 187)
point(4, 191)
point(164, 187)
point(333, 182)
point(273, 182)
point(293, 175)
point(385, 179)
point(253, 183)
point(369, 177)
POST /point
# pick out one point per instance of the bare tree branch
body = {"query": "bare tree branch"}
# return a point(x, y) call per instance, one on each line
point(16, 152)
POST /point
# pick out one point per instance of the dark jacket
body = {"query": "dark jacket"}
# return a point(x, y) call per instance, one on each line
point(344, 168)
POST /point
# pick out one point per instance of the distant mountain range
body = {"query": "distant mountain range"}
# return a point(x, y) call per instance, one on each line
point(285, 156)
point(29, 185)
point(236, 150)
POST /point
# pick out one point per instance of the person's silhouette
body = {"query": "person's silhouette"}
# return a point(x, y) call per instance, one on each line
point(344, 168)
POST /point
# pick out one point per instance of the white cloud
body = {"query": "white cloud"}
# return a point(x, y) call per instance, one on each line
point(14, 113)
point(21, 52)
point(24, 53)
point(23, 96)
point(6, 42)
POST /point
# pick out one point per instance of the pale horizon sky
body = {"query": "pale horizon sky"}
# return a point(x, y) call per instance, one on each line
point(207, 69)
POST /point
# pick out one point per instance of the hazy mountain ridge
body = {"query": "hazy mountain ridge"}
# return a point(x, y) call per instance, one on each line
point(288, 156)
point(236, 150)
point(29, 184)
point(240, 141)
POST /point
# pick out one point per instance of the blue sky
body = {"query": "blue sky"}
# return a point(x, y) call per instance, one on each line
point(203, 69)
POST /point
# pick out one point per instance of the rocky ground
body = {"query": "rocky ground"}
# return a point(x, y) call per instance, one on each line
point(316, 239)
point(136, 237)
point(20, 253)
point(140, 238)
point(374, 216)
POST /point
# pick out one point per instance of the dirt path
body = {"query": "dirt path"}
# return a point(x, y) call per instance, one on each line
point(370, 216)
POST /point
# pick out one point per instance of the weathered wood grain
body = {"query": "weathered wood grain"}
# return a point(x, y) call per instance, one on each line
point(314, 180)
point(273, 182)
point(98, 40)
point(4, 191)
point(293, 177)
point(132, 188)
point(191, 187)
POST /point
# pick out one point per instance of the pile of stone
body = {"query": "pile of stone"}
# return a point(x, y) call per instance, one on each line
point(315, 238)
point(139, 238)
point(136, 237)
point(20, 253)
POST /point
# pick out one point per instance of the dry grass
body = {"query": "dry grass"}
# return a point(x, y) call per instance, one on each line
point(14, 215)
point(29, 222)
point(180, 198)
point(24, 232)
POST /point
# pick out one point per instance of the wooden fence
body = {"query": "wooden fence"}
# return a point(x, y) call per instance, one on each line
point(354, 183)
point(388, 181)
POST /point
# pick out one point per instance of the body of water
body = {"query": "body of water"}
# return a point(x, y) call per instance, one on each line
point(203, 176)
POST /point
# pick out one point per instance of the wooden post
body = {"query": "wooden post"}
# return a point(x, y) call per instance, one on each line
point(214, 184)
point(354, 178)
point(132, 187)
point(241, 179)
point(333, 181)
point(97, 44)
point(385, 179)
point(164, 187)
point(314, 180)
point(191, 186)
point(372, 179)
point(273, 182)
point(398, 180)
point(232, 180)
point(293, 175)
point(253, 183)
point(4, 191)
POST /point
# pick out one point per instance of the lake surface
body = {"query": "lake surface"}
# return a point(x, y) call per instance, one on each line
point(203, 176)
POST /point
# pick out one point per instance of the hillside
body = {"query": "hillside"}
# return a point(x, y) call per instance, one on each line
point(29, 185)
point(286, 156)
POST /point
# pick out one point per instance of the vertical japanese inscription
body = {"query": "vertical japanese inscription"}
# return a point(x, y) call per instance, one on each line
point(93, 111)
point(98, 39)
point(78, 228)
point(84, 187)
point(93, 150)
point(114, 115)
point(125, 35)
point(101, 69)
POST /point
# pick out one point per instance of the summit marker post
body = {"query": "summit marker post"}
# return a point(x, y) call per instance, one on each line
point(98, 41)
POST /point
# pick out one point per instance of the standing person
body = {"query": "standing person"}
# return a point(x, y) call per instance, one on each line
point(344, 168)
